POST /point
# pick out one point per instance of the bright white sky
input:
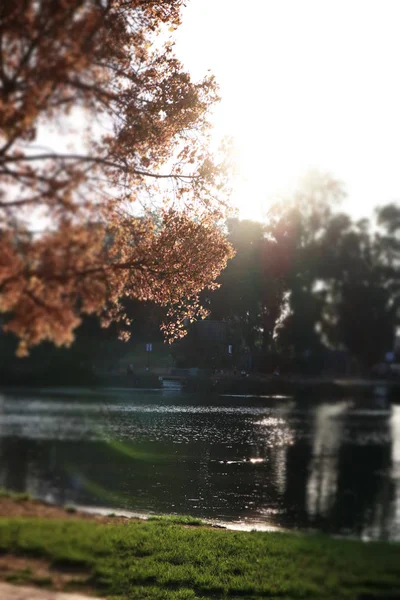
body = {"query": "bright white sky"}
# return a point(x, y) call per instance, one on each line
point(306, 84)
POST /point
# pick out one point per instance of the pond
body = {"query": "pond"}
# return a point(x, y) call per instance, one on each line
point(247, 462)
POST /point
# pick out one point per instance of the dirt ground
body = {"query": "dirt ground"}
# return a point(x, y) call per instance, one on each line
point(41, 573)
point(35, 508)
point(12, 592)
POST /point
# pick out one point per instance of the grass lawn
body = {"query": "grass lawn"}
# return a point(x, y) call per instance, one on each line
point(162, 559)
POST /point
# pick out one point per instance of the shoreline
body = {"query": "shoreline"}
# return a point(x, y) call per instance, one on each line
point(253, 386)
point(214, 523)
point(23, 505)
point(182, 559)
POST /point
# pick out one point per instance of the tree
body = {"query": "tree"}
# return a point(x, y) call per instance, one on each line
point(310, 280)
point(98, 64)
point(361, 288)
point(387, 245)
point(267, 290)
point(298, 226)
point(238, 299)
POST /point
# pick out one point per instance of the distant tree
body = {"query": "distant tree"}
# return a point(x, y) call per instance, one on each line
point(238, 300)
point(311, 279)
point(298, 225)
point(267, 289)
point(96, 66)
point(362, 283)
point(387, 244)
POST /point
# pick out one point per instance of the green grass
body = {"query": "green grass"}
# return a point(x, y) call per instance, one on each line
point(16, 496)
point(178, 520)
point(25, 576)
point(160, 560)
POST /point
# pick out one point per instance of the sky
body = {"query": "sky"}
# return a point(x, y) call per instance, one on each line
point(305, 85)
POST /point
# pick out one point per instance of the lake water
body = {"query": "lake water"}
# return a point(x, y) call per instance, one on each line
point(254, 463)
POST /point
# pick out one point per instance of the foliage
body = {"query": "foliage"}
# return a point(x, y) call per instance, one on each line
point(16, 496)
point(310, 280)
point(161, 560)
point(239, 298)
point(98, 67)
point(298, 225)
point(361, 301)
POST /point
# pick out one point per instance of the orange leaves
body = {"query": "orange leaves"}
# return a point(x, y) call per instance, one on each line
point(47, 283)
point(41, 292)
point(57, 57)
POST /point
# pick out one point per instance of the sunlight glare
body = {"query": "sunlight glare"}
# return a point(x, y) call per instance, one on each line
point(305, 86)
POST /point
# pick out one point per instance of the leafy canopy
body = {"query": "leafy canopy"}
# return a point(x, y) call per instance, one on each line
point(134, 126)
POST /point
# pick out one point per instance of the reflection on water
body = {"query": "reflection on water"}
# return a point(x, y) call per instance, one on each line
point(322, 481)
point(271, 461)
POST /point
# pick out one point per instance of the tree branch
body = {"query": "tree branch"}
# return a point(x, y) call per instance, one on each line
point(96, 160)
